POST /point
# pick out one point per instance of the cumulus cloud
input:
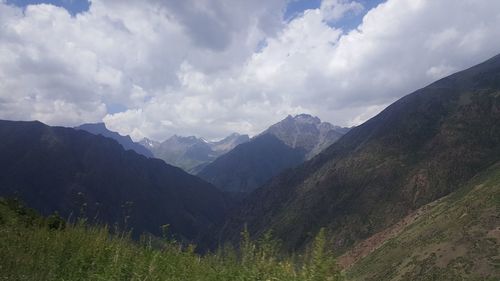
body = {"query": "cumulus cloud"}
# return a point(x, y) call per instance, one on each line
point(333, 10)
point(213, 67)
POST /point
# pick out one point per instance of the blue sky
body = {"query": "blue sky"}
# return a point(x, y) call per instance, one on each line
point(350, 21)
point(294, 8)
point(73, 6)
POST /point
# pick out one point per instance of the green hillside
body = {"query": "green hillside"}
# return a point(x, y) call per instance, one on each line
point(34, 248)
point(456, 238)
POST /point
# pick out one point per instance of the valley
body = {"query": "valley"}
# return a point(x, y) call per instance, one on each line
point(281, 140)
point(409, 195)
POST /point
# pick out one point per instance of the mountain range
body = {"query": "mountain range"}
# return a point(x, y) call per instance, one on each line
point(422, 147)
point(251, 164)
point(283, 145)
point(192, 153)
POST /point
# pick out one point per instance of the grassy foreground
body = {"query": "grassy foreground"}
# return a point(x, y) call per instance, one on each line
point(36, 248)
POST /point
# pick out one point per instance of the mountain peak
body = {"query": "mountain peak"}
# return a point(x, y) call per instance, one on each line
point(306, 118)
point(148, 143)
point(305, 131)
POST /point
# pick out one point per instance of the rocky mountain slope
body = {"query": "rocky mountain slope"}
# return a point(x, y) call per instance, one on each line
point(72, 171)
point(417, 150)
point(192, 153)
point(291, 141)
point(307, 132)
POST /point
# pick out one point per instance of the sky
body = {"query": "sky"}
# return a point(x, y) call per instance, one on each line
point(155, 68)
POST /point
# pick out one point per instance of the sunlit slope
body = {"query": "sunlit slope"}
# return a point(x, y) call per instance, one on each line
point(457, 238)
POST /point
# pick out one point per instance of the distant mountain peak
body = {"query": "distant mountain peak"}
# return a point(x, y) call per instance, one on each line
point(306, 118)
point(299, 119)
point(191, 153)
point(148, 143)
point(306, 131)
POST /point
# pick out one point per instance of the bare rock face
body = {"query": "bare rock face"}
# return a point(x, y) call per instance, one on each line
point(307, 132)
point(192, 153)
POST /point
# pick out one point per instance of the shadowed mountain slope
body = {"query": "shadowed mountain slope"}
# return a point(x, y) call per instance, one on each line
point(251, 164)
point(417, 150)
point(66, 170)
point(125, 141)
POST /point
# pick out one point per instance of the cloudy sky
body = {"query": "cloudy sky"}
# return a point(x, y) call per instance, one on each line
point(211, 67)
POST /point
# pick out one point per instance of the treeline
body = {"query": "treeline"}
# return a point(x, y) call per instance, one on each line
point(37, 248)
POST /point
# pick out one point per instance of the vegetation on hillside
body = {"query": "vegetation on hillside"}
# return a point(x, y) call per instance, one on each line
point(36, 248)
point(457, 238)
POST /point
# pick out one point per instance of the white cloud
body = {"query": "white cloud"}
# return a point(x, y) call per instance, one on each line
point(213, 67)
point(333, 10)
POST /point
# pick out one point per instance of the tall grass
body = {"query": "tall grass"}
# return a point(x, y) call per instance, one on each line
point(34, 248)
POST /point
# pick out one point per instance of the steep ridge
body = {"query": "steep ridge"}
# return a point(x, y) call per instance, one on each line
point(125, 141)
point(251, 164)
point(291, 141)
point(420, 148)
point(66, 170)
point(454, 238)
